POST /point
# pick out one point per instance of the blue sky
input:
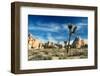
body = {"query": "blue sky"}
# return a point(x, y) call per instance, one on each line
point(55, 28)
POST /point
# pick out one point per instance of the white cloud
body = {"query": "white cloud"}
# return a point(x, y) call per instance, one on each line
point(52, 27)
point(81, 25)
point(59, 37)
point(51, 38)
point(42, 39)
point(65, 26)
point(39, 38)
point(71, 42)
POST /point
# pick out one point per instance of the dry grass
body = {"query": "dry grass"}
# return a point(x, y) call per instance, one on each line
point(57, 54)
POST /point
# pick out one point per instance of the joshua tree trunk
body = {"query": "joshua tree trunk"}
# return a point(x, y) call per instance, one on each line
point(68, 42)
point(72, 30)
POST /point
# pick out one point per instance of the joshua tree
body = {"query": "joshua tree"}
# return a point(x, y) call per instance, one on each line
point(72, 28)
point(65, 44)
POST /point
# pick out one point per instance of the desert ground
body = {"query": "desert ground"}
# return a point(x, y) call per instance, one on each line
point(57, 54)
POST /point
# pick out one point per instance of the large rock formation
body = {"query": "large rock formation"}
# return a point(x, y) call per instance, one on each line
point(79, 43)
point(33, 43)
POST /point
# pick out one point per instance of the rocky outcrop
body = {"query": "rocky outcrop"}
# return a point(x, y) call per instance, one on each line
point(79, 43)
point(34, 43)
